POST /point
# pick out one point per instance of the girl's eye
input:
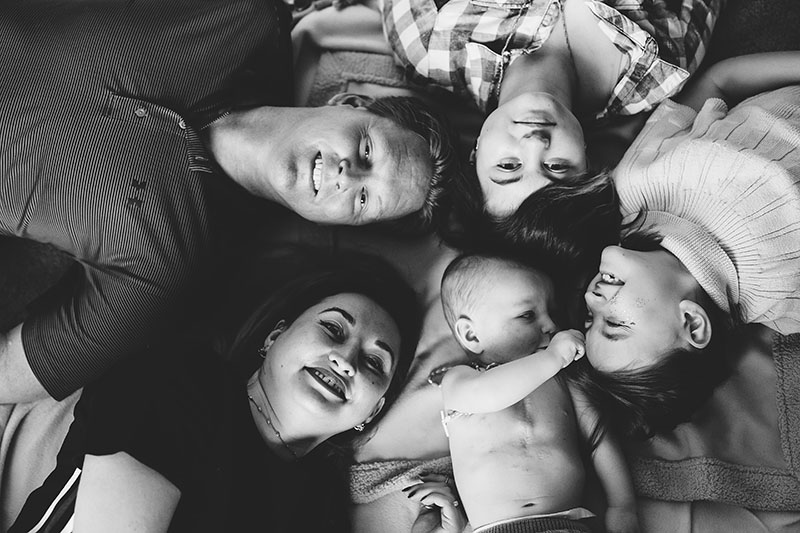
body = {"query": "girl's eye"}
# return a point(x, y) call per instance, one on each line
point(363, 198)
point(334, 329)
point(528, 315)
point(509, 165)
point(556, 167)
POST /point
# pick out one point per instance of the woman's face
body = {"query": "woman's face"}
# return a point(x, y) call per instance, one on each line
point(329, 370)
point(526, 143)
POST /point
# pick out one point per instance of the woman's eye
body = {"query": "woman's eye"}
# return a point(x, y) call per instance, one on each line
point(509, 165)
point(334, 329)
point(612, 324)
point(363, 198)
point(375, 363)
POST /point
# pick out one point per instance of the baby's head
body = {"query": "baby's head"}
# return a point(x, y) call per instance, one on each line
point(498, 308)
point(649, 337)
point(528, 142)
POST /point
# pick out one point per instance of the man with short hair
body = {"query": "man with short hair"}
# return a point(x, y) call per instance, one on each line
point(120, 122)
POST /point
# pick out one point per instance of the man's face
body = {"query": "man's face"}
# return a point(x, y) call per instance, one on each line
point(634, 306)
point(346, 165)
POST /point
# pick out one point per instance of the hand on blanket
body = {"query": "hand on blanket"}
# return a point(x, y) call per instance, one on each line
point(622, 520)
point(440, 510)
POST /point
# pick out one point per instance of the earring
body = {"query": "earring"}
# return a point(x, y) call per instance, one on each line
point(263, 351)
point(359, 427)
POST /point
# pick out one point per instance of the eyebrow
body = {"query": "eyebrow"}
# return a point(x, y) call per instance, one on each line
point(352, 321)
point(347, 316)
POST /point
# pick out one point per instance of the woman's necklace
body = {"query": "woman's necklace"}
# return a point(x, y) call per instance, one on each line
point(267, 419)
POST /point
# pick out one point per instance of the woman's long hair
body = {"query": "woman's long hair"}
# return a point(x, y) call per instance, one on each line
point(293, 279)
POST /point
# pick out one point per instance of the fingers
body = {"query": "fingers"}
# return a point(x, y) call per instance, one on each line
point(435, 493)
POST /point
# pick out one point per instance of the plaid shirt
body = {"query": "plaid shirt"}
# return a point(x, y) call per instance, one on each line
point(451, 46)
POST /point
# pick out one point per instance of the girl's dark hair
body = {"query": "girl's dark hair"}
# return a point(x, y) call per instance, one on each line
point(642, 402)
point(303, 277)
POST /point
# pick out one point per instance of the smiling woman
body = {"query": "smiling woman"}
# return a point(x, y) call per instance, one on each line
point(210, 446)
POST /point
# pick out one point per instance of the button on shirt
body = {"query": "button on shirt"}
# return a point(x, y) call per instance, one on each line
point(466, 45)
point(100, 105)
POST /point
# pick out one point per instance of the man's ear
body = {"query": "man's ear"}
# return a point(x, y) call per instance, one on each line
point(696, 324)
point(466, 335)
point(376, 410)
point(353, 100)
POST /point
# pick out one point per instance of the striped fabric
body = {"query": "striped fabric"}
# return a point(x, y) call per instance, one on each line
point(58, 516)
point(101, 102)
point(465, 45)
point(723, 188)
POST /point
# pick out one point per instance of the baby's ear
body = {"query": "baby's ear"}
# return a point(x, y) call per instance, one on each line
point(696, 324)
point(467, 338)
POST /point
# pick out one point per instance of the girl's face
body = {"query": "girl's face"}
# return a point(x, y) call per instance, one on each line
point(634, 303)
point(526, 143)
point(329, 370)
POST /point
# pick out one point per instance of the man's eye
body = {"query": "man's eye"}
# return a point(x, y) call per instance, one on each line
point(363, 198)
point(367, 148)
point(509, 165)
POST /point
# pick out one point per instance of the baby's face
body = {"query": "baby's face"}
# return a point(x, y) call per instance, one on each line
point(512, 318)
point(525, 144)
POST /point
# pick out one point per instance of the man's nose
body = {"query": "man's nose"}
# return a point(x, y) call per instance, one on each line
point(348, 172)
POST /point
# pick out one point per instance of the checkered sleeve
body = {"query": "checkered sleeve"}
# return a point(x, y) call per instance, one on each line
point(408, 25)
point(682, 28)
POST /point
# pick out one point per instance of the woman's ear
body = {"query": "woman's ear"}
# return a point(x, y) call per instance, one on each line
point(696, 324)
point(353, 100)
point(376, 410)
point(466, 335)
point(279, 328)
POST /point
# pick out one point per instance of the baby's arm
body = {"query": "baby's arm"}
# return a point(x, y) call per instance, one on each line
point(612, 470)
point(741, 77)
point(467, 390)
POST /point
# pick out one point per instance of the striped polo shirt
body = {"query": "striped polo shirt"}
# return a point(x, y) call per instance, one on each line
point(101, 103)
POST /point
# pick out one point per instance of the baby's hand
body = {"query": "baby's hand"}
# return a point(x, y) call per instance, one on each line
point(440, 511)
point(568, 346)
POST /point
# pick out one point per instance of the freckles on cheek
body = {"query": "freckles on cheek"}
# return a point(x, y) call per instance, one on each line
point(640, 303)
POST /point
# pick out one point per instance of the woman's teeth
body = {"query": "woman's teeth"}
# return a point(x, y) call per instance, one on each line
point(316, 175)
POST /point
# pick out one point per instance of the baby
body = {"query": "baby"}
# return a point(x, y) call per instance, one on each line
point(515, 426)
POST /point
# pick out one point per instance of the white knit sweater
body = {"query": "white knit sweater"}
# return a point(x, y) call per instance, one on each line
point(723, 188)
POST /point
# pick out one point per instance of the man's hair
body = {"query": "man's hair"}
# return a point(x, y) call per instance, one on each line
point(654, 399)
point(415, 115)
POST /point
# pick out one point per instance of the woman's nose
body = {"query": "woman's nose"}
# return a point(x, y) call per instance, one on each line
point(341, 363)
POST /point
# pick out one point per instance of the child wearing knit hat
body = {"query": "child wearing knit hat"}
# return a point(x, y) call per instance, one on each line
point(711, 185)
